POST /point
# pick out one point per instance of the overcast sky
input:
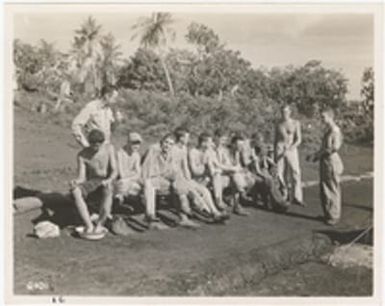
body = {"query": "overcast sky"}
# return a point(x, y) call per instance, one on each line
point(341, 41)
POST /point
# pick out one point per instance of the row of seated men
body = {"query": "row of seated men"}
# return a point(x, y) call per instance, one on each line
point(197, 177)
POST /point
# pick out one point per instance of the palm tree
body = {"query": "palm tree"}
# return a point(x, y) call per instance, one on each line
point(155, 32)
point(88, 35)
point(84, 49)
point(111, 58)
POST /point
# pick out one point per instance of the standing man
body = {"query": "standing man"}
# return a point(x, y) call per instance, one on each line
point(286, 142)
point(331, 168)
point(97, 114)
point(65, 94)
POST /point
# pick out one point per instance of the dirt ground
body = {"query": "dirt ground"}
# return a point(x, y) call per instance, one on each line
point(134, 265)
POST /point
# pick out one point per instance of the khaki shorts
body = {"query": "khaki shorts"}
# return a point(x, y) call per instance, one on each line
point(244, 180)
point(225, 181)
point(92, 187)
point(164, 185)
point(204, 180)
point(127, 187)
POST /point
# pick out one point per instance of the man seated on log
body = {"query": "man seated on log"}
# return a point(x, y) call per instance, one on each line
point(129, 182)
point(204, 163)
point(229, 167)
point(96, 172)
point(199, 193)
point(160, 176)
point(268, 185)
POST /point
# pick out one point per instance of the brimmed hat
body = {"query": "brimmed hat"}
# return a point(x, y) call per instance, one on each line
point(135, 137)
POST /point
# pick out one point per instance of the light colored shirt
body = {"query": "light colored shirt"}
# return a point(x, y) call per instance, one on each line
point(199, 162)
point(165, 165)
point(95, 115)
point(180, 156)
point(156, 164)
point(128, 164)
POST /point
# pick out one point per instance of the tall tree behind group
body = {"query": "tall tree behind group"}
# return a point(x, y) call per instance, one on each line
point(110, 59)
point(155, 32)
point(85, 53)
point(310, 87)
point(217, 69)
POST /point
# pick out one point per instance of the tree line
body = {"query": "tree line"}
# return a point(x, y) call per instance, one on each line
point(209, 76)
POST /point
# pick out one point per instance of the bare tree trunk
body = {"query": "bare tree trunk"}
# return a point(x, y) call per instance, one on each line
point(168, 78)
point(220, 95)
point(58, 104)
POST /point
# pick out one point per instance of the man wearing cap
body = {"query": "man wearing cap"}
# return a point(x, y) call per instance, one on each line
point(129, 168)
point(96, 172)
point(97, 114)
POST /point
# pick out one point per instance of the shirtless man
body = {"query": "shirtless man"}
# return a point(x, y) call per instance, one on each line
point(97, 114)
point(268, 185)
point(230, 168)
point(203, 162)
point(199, 193)
point(160, 175)
point(96, 171)
point(129, 168)
point(330, 168)
point(243, 180)
point(286, 142)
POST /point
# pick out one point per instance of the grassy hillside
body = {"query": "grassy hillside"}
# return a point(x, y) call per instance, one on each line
point(44, 151)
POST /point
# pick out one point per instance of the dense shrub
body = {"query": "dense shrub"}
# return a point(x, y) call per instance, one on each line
point(154, 113)
point(357, 124)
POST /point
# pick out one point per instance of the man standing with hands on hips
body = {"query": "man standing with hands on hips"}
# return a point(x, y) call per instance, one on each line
point(97, 114)
point(286, 142)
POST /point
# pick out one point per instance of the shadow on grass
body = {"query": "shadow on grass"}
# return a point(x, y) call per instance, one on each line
point(57, 208)
point(367, 208)
point(60, 209)
point(363, 236)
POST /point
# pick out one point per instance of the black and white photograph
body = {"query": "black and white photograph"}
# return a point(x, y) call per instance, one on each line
point(192, 151)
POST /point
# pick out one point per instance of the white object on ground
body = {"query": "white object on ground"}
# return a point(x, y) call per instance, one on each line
point(26, 204)
point(91, 236)
point(46, 229)
point(352, 255)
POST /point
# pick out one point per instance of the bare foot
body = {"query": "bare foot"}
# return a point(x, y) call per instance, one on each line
point(88, 229)
point(99, 229)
